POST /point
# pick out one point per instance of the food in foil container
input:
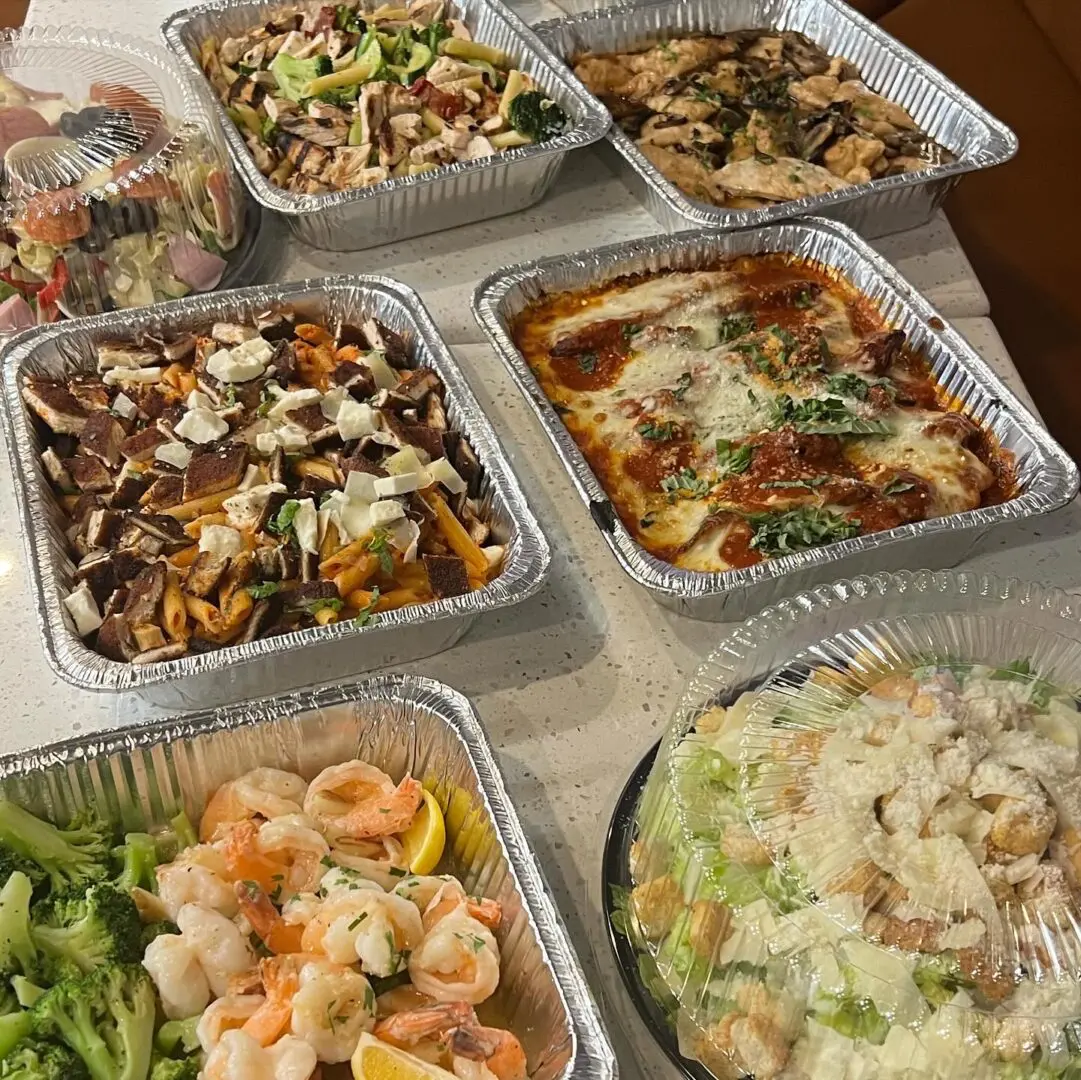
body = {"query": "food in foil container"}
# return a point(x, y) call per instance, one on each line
point(337, 98)
point(780, 969)
point(757, 117)
point(300, 926)
point(247, 480)
point(112, 204)
point(755, 407)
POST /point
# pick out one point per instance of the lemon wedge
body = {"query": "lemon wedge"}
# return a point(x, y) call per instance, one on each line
point(376, 1060)
point(424, 840)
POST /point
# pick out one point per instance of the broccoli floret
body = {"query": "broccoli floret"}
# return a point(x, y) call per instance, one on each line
point(539, 117)
point(139, 857)
point(14, 1028)
point(293, 75)
point(172, 841)
point(347, 18)
point(76, 855)
point(10, 863)
point(178, 1037)
point(156, 929)
point(102, 927)
point(165, 1068)
point(36, 1059)
point(106, 1017)
point(434, 34)
point(18, 953)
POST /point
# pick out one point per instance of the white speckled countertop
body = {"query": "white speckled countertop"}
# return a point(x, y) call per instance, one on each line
point(575, 684)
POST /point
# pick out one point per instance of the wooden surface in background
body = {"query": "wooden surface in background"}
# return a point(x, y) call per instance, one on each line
point(12, 12)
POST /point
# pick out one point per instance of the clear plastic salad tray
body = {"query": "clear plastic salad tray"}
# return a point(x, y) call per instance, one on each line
point(116, 187)
point(775, 958)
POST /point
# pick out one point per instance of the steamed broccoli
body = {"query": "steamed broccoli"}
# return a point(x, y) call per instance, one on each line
point(293, 75)
point(36, 1059)
point(106, 1017)
point(18, 953)
point(139, 856)
point(152, 930)
point(539, 117)
point(178, 1037)
point(101, 927)
point(14, 1028)
point(76, 855)
point(10, 863)
point(172, 1069)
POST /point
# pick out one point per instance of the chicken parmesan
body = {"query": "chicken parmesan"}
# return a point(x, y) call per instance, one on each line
point(754, 408)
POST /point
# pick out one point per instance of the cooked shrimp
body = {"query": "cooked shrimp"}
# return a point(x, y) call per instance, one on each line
point(401, 999)
point(451, 897)
point(449, 1034)
point(175, 970)
point(494, 1049)
point(277, 934)
point(281, 980)
point(222, 950)
point(198, 875)
point(383, 863)
point(295, 840)
point(420, 889)
point(267, 793)
point(333, 1006)
point(228, 1013)
point(378, 929)
point(239, 1057)
point(340, 879)
point(357, 800)
point(244, 861)
point(457, 961)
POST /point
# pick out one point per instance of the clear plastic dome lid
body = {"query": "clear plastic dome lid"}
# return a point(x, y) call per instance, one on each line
point(116, 186)
point(794, 924)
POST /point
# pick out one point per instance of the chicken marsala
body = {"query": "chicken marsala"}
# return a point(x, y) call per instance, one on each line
point(755, 117)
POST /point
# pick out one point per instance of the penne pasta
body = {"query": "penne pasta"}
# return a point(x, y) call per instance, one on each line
point(356, 575)
point(174, 613)
point(208, 504)
point(194, 529)
point(205, 614)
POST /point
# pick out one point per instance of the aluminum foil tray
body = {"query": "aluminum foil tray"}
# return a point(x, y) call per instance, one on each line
point(255, 669)
point(1047, 477)
point(940, 107)
point(409, 205)
point(140, 776)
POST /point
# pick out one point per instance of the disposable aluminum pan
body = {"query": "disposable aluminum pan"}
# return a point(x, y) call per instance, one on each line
point(254, 669)
point(888, 205)
point(409, 205)
point(139, 777)
point(1047, 478)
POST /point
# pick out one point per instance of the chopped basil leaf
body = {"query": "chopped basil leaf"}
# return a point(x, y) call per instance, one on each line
point(587, 363)
point(312, 607)
point(682, 386)
point(264, 589)
point(736, 326)
point(822, 416)
point(655, 432)
point(732, 459)
point(647, 521)
point(378, 545)
point(810, 484)
point(797, 530)
point(805, 299)
point(284, 520)
point(685, 484)
point(367, 614)
point(897, 486)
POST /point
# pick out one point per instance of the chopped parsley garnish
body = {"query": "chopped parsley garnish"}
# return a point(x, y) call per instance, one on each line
point(378, 545)
point(229, 397)
point(358, 920)
point(685, 484)
point(587, 363)
point(283, 522)
point(682, 386)
point(647, 521)
point(897, 486)
point(266, 401)
point(658, 432)
point(667, 50)
point(397, 871)
point(367, 614)
point(328, 862)
point(733, 459)
point(787, 339)
point(810, 484)
point(799, 529)
point(630, 329)
point(824, 350)
point(804, 299)
point(369, 999)
point(264, 589)
point(822, 416)
point(736, 326)
point(755, 355)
